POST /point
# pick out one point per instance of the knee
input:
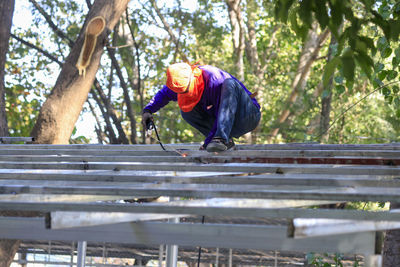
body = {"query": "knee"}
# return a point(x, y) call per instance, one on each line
point(230, 84)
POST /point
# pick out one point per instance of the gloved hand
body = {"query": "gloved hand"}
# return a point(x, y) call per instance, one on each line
point(147, 118)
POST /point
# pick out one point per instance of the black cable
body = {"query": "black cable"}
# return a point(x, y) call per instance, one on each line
point(151, 124)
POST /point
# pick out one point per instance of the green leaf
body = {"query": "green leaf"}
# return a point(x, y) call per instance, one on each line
point(382, 43)
point(340, 89)
point(377, 83)
point(348, 65)
point(365, 63)
point(379, 67)
point(368, 3)
point(396, 101)
point(382, 75)
point(336, 12)
point(329, 70)
point(386, 52)
point(395, 62)
point(369, 42)
point(282, 8)
point(397, 7)
point(392, 74)
point(397, 52)
point(305, 12)
point(394, 29)
point(321, 13)
point(339, 79)
point(301, 30)
point(386, 91)
point(348, 13)
point(382, 23)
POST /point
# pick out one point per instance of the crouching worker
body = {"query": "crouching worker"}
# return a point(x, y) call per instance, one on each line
point(211, 100)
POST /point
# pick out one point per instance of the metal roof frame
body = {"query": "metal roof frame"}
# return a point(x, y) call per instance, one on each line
point(253, 182)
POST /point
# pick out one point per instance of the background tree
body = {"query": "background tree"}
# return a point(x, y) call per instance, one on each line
point(283, 49)
point(7, 247)
point(59, 113)
point(6, 12)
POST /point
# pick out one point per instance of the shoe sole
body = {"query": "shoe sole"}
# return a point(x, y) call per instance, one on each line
point(213, 147)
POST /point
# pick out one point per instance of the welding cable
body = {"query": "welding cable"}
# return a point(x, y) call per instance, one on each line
point(150, 125)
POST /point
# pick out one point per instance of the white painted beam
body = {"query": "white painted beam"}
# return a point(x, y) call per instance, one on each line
point(305, 228)
point(205, 235)
point(67, 219)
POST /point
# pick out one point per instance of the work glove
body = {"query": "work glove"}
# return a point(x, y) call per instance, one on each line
point(147, 119)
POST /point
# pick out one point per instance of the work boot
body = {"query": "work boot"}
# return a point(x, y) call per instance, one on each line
point(218, 144)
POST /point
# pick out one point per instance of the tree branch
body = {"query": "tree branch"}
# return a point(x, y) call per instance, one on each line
point(51, 24)
point(168, 28)
point(47, 54)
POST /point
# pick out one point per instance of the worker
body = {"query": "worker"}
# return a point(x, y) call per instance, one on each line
point(211, 100)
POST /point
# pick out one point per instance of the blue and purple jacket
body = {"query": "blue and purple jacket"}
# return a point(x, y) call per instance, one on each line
point(213, 80)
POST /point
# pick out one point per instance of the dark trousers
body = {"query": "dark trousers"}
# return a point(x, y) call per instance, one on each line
point(237, 114)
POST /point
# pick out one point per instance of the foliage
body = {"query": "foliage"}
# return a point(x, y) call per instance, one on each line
point(367, 46)
point(327, 260)
point(366, 57)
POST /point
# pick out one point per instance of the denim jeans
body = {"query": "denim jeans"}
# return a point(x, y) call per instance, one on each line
point(237, 114)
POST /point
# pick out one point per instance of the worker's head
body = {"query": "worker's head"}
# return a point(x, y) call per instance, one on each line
point(180, 78)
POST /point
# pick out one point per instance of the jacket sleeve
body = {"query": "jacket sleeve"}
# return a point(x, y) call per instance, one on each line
point(161, 99)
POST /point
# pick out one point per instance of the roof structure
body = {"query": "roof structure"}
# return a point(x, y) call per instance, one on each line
point(256, 199)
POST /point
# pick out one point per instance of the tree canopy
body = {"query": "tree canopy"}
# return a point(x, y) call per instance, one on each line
point(283, 49)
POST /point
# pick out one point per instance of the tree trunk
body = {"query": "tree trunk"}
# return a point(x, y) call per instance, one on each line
point(326, 100)
point(308, 55)
point(6, 12)
point(391, 247)
point(238, 35)
point(251, 43)
point(8, 248)
point(61, 110)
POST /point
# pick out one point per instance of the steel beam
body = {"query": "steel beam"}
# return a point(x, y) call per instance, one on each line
point(205, 235)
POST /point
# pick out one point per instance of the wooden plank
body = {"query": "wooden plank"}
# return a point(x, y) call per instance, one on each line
point(305, 160)
point(11, 139)
point(266, 147)
point(390, 161)
point(205, 235)
point(89, 151)
point(56, 198)
point(300, 146)
point(158, 208)
point(84, 158)
point(215, 167)
point(208, 191)
point(120, 176)
point(262, 179)
point(92, 151)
